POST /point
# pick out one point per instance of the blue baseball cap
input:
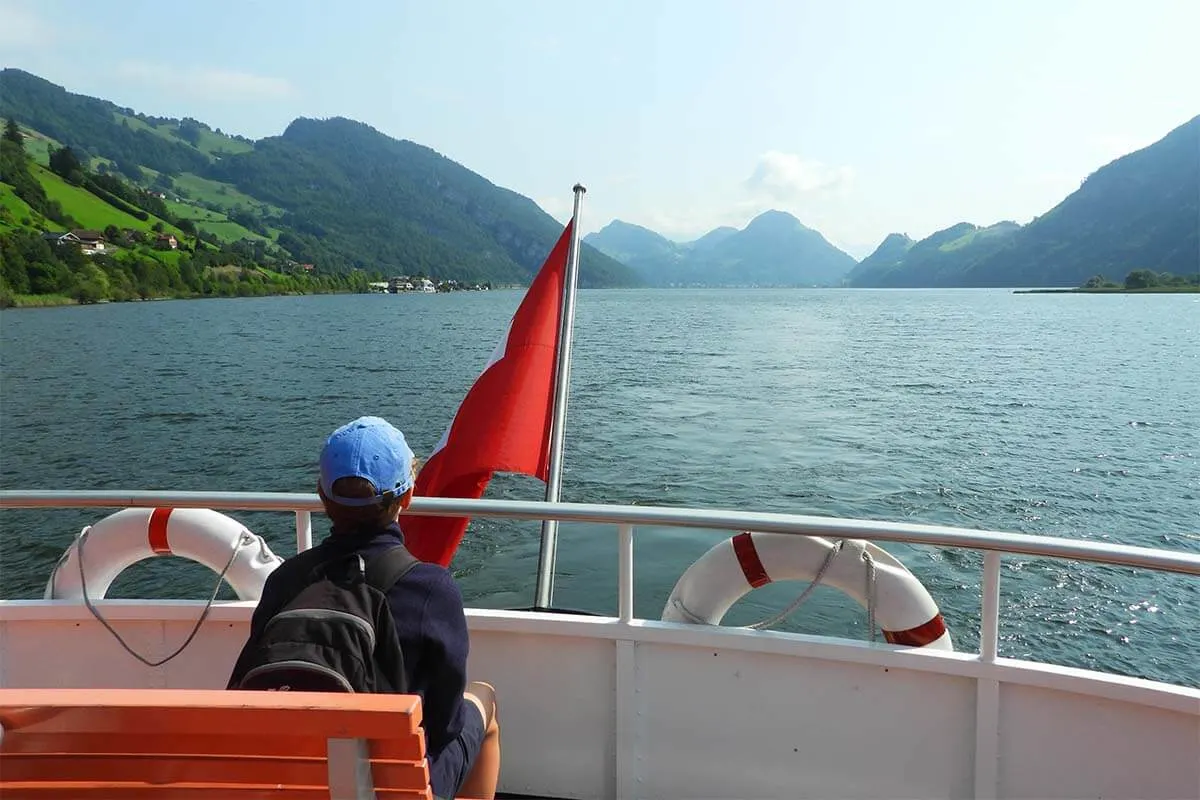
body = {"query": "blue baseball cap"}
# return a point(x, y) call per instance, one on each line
point(370, 448)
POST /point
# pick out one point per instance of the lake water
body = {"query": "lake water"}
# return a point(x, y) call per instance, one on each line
point(1065, 415)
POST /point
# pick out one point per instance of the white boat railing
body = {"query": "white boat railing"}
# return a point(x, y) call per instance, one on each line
point(625, 518)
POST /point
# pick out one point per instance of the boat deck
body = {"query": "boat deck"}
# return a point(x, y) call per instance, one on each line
point(616, 706)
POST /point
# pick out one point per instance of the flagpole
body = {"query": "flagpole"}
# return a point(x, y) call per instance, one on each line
point(544, 595)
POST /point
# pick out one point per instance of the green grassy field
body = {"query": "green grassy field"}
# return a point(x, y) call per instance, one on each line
point(134, 123)
point(16, 207)
point(92, 212)
point(222, 194)
point(87, 209)
point(38, 145)
point(206, 219)
point(209, 142)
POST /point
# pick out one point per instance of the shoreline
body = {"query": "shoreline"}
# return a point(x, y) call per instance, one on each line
point(1193, 289)
point(34, 301)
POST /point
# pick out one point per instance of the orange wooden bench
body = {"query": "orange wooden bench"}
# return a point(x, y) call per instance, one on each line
point(136, 744)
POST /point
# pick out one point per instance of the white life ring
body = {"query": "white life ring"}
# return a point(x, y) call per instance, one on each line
point(904, 609)
point(134, 534)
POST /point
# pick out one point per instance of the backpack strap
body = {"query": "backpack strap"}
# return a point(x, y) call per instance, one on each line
point(390, 566)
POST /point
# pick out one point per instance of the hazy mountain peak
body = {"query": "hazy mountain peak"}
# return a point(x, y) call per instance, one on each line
point(621, 226)
point(774, 249)
point(779, 220)
point(713, 237)
point(893, 240)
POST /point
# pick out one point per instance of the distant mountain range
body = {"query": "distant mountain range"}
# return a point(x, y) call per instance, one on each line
point(774, 249)
point(1142, 211)
point(335, 193)
point(341, 195)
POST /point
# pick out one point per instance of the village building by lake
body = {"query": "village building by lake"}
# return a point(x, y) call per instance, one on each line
point(409, 283)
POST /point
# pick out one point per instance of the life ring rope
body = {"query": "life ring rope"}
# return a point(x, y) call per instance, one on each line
point(756, 576)
point(244, 538)
point(899, 608)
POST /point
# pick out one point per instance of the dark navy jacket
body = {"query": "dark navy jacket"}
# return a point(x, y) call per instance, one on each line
point(427, 608)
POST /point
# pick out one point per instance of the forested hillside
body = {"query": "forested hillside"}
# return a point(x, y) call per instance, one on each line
point(1140, 212)
point(70, 234)
point(335, 194)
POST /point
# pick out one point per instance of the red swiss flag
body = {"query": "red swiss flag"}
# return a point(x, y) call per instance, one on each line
point(503, 424)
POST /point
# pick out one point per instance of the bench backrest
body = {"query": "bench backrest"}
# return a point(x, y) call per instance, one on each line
point(95, 744)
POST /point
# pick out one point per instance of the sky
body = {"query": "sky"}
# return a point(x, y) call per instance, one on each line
point(862, 118)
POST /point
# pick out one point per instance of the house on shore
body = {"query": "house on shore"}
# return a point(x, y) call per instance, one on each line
point(88, 242)
point(60, 237)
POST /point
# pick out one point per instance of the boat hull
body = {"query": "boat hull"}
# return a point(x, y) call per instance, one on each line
point(597, 707)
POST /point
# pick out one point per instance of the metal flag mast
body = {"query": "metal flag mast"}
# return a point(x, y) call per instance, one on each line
point(544, 595)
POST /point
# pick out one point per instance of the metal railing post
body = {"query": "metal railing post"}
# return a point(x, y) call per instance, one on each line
point(303, 531)
point(625, 573)
point(987, 686)
point(989, 628)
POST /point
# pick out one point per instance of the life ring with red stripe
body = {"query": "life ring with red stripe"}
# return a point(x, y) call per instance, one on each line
point(121, 540)
point(904, 609)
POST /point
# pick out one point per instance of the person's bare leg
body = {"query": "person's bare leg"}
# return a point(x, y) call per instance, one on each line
point(484, 776)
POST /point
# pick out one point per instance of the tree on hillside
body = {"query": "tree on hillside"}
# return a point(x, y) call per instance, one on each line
point(63, 162)
point(14, 169)
point(12, 133)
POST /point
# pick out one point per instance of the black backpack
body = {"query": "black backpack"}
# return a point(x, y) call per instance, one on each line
point(336, 634)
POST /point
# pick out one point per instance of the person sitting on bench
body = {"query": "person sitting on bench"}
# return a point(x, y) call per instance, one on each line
point(367, 475)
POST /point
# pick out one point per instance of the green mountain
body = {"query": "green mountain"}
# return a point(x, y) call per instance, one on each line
point(774, 249)
point(1141, 211)
point(334, 193)
point(938, 260)
point(72, 233)
point(382, 201)
point(886, 258)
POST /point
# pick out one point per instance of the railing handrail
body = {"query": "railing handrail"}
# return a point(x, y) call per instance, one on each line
point(719, 519)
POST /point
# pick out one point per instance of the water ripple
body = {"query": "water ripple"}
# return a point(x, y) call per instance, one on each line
point(983, 409)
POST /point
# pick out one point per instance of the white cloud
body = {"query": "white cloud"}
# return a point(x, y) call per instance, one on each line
point(811, 191)
point(21, 28)
point(684, 224)
point(207, 82)
point(787, 177)
point(814, 193)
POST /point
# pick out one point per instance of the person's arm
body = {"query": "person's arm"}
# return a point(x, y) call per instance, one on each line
point(436, 645)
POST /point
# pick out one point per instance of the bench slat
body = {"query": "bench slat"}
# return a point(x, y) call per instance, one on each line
point(406, 748)
point(104, 744)
point(199, 711)
point(288, 771)
point(43, 790)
